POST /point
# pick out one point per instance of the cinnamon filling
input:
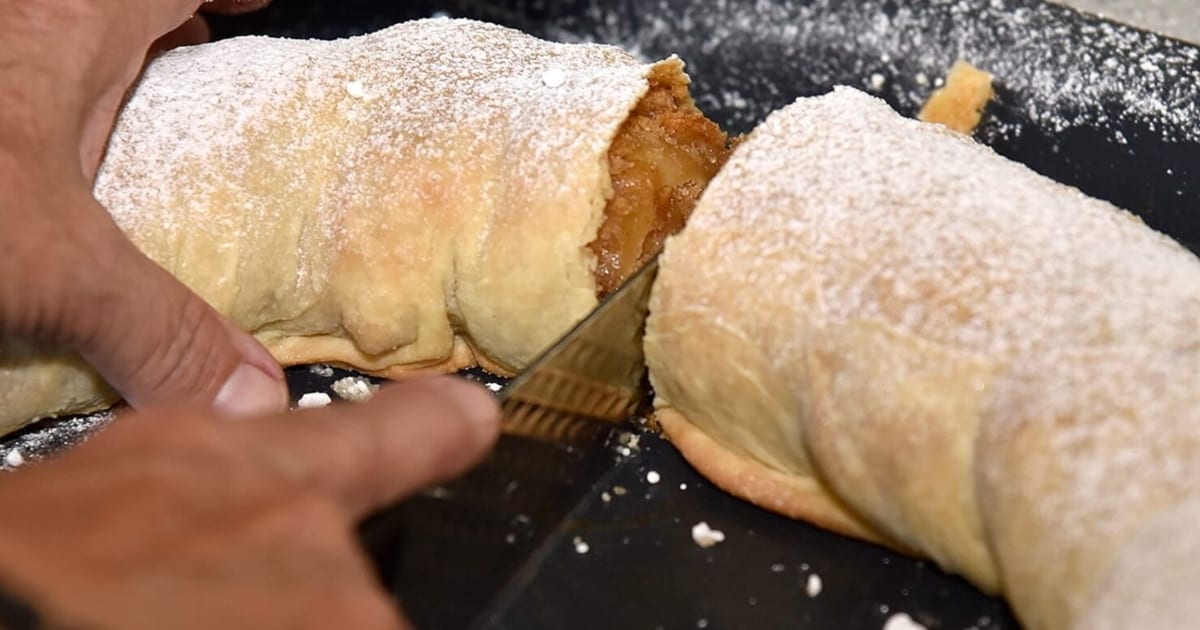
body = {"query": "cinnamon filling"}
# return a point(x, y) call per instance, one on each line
point(660, 161)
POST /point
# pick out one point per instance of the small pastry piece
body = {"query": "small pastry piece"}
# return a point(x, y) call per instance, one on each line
point(883, 327)
point(959, 104)
point(436, 195)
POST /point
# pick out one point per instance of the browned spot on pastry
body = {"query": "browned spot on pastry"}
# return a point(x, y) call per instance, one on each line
point(959, 104)
point(660, 161)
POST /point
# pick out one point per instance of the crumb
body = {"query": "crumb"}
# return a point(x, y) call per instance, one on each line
point(605, 496)
point(706, 536)
point(877, 82)
point(814, 585)
point(884, 609)
point(313, 399)
point(554, 77)
point(581, 546)
point(624, 451)
point(14, 458)
point(494, 387)
point(511, 538)
point(901, 621)
point(653, 477)
point(683, 486)
point(777, 567)
point(321, 370)
point(354, 388)
point(701, 623)
point(619, 490)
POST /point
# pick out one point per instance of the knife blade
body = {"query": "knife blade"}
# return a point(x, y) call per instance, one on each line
point(475, 536)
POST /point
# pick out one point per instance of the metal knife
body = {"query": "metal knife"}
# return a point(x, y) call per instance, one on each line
point(448, 553)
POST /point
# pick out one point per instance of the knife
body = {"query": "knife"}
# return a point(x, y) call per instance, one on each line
point(449, 552)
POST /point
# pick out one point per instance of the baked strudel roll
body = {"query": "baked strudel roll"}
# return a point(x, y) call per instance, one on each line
point(436, 195)
point(885, 328)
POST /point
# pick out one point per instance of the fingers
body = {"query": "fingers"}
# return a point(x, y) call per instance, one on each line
point(409, 436)
point(193, 31)
point(156, 342)
point(233, 6)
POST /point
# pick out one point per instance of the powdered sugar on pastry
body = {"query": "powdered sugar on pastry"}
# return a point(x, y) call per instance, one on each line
point(987, 366)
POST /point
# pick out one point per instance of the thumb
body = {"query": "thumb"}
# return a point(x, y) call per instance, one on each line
point(158, 343)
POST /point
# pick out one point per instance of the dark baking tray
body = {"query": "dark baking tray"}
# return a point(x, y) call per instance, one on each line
point(1108, 108)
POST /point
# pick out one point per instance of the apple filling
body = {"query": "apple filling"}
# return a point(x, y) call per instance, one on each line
point(660, 161)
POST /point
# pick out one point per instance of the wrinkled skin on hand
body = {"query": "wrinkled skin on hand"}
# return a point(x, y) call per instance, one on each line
point(70, 275)
point(180, 520)
point(175, 517)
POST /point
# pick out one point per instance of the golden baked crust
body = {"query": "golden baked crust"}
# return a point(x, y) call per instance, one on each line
point(420, 199)
point(972, 360)
point(794, 496)
point(959, 104)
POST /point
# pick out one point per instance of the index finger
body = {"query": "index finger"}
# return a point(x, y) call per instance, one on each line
point(366, 455)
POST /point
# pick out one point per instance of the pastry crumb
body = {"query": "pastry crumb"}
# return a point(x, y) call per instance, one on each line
point(702, 623)
point(581, 546)
point(901, 621)
point(814, 585)
point(354, 388)
point(619, 490)
point(494, 387)
point(14, 458)
point(777, 567)
point(706, 536)
point(313, 400)
point(652, 477)
point(605, 496)
point(321, 370)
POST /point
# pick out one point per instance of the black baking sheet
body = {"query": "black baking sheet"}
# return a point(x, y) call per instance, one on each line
point(1108, 108)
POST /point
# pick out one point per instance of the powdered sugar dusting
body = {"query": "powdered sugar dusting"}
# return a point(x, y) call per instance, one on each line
point(215, 136)
point(838, 211)
point(1068, 73)
point(49, 437)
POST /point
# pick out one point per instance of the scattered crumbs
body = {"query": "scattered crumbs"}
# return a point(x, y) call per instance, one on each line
point(321, 370)
point(356, 89)
point(887, 560)
point(354, 388)
point(701, 623)
point(554, 77)
point(877, 82)
point(581, 546)
point(624, 451)
point(922, 79)
point(605, 496)
point(494, 387)
point(619, 491)
point(14, 458)
point(814, 585)
point(652, 477)
point(511, 538)
point(511, 486)
point(777, 567)
point(706, 536)
point(683, 486)
point(753, 601)
point(901, 621)
point(312, 400)
point(884, 609)
point(803, 566)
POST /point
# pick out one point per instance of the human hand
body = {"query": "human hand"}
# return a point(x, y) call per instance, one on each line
point(197, 523)
point(69, 274)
